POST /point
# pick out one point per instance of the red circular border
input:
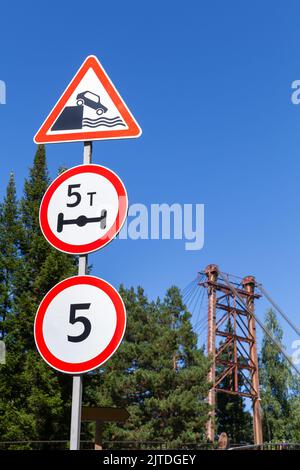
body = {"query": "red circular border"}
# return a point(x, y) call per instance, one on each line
point(112, 232)
point(86, 366)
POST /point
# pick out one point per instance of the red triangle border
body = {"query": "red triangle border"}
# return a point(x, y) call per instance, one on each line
point(132, 131)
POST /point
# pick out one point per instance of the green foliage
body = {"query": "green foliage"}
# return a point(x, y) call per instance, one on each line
point(158, 374)
point(280, 398)
point(293, 423)
point(9, 248)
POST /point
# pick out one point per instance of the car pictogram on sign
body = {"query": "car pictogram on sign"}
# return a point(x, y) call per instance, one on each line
point(91, 100)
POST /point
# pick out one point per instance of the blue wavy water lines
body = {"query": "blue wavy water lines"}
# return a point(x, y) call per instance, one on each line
point(103, 121)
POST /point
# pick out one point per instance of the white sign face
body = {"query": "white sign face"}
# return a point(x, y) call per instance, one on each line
point(79, 324)
point(92, 103)
point(86, 195)
point(83, 209)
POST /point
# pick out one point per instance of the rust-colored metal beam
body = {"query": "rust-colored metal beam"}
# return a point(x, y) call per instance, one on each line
point(229, 335)
point(221, 306)
point(225, 345)
point(226, 290)
point(224, 374)
point(235, 364)
point(212, 275)
point(249, 285)
point(232, 392)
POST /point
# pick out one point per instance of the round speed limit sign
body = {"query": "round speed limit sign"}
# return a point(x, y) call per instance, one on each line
point(79, 324)
point(83, 209)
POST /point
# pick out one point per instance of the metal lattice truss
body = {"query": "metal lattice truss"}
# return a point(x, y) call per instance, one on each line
point(231, 343)
point(234, 365)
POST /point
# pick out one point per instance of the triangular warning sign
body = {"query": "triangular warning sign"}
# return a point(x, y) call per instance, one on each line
point(89, 109)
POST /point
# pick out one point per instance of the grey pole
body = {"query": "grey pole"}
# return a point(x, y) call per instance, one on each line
point(76, 413)
point(77, 379)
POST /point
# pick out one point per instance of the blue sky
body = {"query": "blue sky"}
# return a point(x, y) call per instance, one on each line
point(210, 85)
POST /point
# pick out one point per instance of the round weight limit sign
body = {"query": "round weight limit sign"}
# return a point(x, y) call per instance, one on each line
point(83, 209)
point(79, 324)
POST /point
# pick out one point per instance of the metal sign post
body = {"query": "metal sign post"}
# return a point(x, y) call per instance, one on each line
point(77, 379)
point(76, 413)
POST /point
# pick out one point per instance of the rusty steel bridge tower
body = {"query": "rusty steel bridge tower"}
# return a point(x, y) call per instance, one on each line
point(231, 343)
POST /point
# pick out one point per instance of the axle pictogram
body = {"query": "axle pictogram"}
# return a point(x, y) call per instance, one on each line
point(81, 221)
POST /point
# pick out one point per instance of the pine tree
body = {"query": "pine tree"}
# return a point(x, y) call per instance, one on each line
point(293, 424)
point(34, 399)
point(121, 382)
point(9, 248)
point(179, 398)
point(275, 378)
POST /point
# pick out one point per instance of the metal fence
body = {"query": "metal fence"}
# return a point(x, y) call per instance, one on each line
point(43, 445)
point(269, 446)
point(139, 445)
point(107, 445)
point(154, 445)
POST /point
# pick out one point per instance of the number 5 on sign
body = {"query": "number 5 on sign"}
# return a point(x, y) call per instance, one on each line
point(86, 323)
point(79, 324)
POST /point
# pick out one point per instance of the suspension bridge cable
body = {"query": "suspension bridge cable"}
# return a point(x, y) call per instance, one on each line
point(191, 299)
point(188, 289)
point(202, 335)
point(187, 298)
point(202, 330)
point(269, 298)
point(235, 292)
point(198, 297)
point(200, 322)
point(198, 319)
point(188, 286)
point(200, 307)
point(201, 327)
